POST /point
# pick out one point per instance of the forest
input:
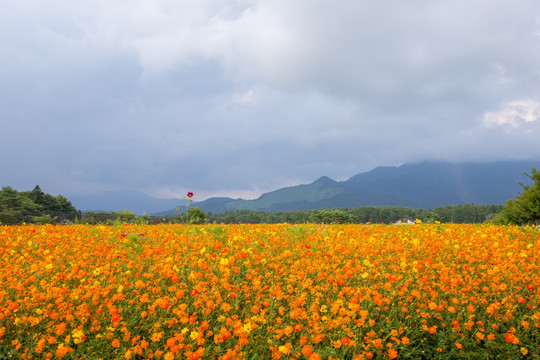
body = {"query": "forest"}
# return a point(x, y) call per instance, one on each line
point(34, 206)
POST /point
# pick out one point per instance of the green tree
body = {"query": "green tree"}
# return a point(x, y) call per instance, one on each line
point(525, 208)
point(326, 216)
point(196, 216)
point(10, 199)
point(46, 203)
point(124, 216)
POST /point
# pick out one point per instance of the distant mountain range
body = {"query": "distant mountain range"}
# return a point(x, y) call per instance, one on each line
point(424, 185)
point(134, 201)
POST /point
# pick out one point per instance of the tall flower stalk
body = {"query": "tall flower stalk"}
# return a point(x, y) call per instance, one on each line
point(188, 201)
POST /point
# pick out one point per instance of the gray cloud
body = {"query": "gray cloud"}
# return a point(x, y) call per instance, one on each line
point(241, 97)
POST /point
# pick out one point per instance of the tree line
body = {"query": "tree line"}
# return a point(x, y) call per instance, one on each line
point(465, 213)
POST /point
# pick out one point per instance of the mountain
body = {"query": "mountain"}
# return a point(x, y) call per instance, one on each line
point(423, 185)
point(134, 201)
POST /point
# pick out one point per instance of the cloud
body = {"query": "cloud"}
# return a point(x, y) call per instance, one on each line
point(513, 114)
point(244, 96)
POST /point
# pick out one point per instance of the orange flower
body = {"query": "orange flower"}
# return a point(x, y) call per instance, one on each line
point(318, 338)
point(392, 354)
point(226, 307)
point(156, 337)
point(307, 350)
point(511, 338)
point(278, 282)
point(62, 350)
point(288, 330)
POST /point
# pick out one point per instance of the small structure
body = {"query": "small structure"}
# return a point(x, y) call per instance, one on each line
point(405, 220)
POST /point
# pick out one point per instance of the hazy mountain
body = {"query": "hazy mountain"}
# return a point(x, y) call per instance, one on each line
point(136, 202)
point(424, 185)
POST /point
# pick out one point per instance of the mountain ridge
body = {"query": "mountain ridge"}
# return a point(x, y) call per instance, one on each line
point(421, 185)
point(416, 185)
point(137, 202)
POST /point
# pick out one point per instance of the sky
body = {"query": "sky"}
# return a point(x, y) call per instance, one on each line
point(238, 98)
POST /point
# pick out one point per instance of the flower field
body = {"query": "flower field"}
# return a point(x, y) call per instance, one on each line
point(269, 291)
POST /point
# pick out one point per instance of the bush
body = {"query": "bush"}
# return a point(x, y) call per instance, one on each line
point(334, 216)
point(44, 219)
point(9, 217)
point(525, 208)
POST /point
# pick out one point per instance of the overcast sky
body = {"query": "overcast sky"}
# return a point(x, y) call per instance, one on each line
point(238, 98)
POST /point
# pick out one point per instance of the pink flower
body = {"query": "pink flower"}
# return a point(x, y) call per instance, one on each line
point(189, 194)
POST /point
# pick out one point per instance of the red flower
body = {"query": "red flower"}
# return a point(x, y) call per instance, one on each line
point(190, 194)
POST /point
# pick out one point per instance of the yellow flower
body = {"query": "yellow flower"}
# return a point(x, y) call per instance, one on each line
point(285, 349)
point(366, 262)
point(78, 336)
point(247, 328)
